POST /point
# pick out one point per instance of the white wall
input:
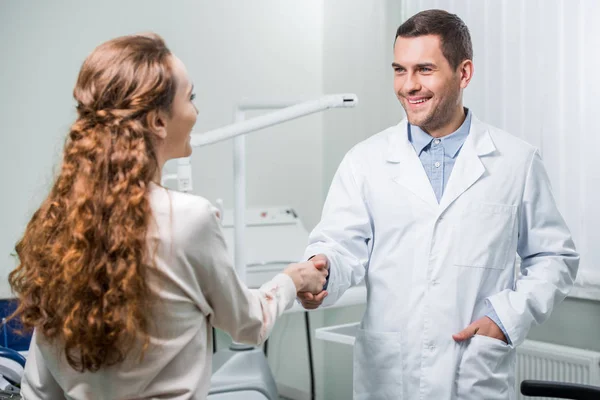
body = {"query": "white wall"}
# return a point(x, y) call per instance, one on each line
point(357, 58)
point(233, 49)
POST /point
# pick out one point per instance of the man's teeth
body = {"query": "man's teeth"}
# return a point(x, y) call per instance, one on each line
point(417, 101)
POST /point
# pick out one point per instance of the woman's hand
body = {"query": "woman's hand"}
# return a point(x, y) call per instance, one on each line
point(309, 276)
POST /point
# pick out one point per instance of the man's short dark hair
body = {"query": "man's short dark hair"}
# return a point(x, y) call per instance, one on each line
point(453, 33)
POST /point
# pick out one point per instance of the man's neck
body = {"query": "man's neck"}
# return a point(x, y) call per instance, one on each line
point(451, 126)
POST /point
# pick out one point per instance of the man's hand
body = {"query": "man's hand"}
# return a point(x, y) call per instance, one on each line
point(483, 326)
point(311, 301)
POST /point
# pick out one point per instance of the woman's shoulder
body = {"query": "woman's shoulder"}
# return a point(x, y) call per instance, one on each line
point(182, 208)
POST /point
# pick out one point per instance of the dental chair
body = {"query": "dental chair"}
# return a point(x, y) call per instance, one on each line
point(241, 372)
point(12, 365)
point(573, 391)
point(12, 361)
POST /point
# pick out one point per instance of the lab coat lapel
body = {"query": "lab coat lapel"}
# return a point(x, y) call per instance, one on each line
point(468, 168)
point(410, 173)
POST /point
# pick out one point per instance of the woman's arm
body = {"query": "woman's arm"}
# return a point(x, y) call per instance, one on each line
point(247, 315)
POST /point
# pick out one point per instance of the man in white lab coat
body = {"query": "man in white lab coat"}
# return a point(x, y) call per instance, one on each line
point(431, 214)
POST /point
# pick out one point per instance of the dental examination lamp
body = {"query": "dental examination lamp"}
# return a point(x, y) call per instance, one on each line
point(288, 110)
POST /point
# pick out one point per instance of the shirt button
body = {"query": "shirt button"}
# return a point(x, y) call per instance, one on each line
point(437, 164)
point(436, 141)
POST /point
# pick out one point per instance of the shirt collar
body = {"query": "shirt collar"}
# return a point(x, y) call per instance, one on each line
point(451, 143)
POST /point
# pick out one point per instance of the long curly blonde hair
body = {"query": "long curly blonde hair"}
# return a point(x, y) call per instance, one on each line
point(84, 255)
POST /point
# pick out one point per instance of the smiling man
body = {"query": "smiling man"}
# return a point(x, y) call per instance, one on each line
point(431, 214)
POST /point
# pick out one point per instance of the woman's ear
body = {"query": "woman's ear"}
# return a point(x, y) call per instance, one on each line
point(157, 122)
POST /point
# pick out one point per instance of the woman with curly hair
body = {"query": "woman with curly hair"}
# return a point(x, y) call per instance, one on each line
point(121, 279)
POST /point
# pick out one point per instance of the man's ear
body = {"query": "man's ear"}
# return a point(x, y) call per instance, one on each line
point(158, 123)
point(466, 70)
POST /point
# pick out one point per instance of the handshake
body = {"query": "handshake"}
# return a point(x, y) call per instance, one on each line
point(309, 278)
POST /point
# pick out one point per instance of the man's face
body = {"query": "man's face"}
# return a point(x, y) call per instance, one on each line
point(428, 88)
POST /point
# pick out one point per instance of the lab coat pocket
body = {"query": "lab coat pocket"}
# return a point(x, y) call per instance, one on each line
point(484, 235)
point(486, 370)
point(377, 365)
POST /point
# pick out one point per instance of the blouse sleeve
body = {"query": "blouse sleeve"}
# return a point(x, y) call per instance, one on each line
point(247, 315)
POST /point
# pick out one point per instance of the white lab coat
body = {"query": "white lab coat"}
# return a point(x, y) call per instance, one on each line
point(431, 269)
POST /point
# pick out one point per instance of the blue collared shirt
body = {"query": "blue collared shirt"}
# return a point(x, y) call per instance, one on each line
point(438, 156)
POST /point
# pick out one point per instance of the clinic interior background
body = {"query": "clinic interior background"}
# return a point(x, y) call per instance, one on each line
point(536, 66)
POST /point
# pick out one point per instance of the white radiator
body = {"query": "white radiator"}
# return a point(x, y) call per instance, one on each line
point(550, 362)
